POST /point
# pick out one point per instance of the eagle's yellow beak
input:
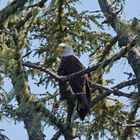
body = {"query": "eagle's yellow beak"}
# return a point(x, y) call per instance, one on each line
point(60, 49)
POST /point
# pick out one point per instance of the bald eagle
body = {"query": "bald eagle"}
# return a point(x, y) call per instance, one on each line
point(80, 85)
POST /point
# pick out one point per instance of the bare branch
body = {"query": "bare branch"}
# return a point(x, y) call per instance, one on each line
point(127, 83)
point(41, 68)
point(107, 92)
point(114, 91)
point(56, 135)
point(99, 98)
point(39, 4)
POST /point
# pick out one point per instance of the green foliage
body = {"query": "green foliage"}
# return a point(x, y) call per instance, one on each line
point(135, 27)
point(33, 34)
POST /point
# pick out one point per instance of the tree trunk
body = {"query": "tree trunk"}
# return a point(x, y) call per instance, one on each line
point(26, 110)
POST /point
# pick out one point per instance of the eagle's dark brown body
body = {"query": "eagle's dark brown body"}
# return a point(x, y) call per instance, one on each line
point(80, 85)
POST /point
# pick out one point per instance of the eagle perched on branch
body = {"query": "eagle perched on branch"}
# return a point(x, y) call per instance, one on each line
point(80, 85)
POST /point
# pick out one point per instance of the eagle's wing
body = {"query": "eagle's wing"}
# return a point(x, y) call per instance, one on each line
point(80, 85)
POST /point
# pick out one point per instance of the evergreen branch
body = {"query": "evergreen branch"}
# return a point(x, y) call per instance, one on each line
point(6, 32)
point(110, 14)
point(2, 136)
point(108, 47)
point(124, 124)
point(60, 11)
point(59, 19)
point(120, 26)
point(99, 98)
point(52, 119)
point(11, 9)
point(21, 23)
point(39, 107)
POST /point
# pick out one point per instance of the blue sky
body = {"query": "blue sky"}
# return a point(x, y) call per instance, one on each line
point(132, 8)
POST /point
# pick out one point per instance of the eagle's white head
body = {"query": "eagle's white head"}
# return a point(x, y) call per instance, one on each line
point(65, 49)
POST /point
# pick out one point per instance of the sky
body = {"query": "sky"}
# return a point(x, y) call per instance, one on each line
point(132, 9)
